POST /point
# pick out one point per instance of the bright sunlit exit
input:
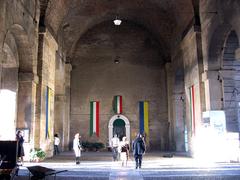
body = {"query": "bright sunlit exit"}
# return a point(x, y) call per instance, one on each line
point(213, 143)
point(7, 114)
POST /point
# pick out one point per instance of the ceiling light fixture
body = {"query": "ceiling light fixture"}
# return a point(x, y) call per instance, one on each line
point(116, 61)
point(117, 21)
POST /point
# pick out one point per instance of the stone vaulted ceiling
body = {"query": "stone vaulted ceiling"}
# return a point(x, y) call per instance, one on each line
point(165, 19)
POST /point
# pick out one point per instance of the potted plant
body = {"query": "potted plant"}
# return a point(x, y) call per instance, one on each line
point(37, 154)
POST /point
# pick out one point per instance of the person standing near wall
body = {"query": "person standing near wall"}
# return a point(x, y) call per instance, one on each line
point(124, 151)
point(20, 141)
point(56, 144)
point(77, 147)
point(138, 148)
point(114, 146)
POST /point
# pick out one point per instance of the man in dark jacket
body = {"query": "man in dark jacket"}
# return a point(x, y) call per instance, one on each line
point(138, 148)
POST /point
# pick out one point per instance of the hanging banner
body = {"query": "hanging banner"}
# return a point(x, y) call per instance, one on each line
point(117, 105)
point(143, 118)
point(94, 118)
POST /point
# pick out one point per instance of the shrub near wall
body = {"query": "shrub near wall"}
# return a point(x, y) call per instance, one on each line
point(92, 146)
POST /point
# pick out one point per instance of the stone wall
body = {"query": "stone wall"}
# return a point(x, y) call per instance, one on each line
point(139, 76)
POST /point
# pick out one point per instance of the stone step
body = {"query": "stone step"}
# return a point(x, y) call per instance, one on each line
point(156, 166)
point(226, 173)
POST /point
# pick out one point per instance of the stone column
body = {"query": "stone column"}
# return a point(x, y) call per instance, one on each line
point(27, 103)
point(179, 120)
point(60, 120)
point(213, 90)
point(3, 55)
point(66, 123)
point(171, 123)
point(2, 25)
point(193, 68)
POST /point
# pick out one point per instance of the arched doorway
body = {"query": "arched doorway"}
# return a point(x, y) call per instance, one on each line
point(120, 125)
point(119, 128)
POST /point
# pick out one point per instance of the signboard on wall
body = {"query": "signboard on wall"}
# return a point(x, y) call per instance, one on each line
point(215, 120)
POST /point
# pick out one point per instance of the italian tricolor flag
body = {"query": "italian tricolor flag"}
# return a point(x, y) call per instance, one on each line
point(94, 118)
point(117, 104)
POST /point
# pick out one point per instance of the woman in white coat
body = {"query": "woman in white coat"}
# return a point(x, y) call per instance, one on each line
point(77, 147)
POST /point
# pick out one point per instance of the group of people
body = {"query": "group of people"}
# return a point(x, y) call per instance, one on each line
point(121, 148)
point(20, 149)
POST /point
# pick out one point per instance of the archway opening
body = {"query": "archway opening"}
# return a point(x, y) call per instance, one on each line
point(119, 124)
point(230, 70)
point(119, 128)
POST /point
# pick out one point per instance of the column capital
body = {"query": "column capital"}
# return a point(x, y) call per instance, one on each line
point(28, 77)
point(210, 75)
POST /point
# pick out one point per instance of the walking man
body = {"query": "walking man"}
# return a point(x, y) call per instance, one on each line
point(114, 146)
point(138, 148)
point(56, 144)
point(77, 147)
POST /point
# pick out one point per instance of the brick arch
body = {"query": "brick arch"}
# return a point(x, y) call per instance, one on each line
point(216, 46)
point(24, 48)
point(9, 64)
point(10, 52)
point(95, 24)
point(230, 74)
point(231, 44)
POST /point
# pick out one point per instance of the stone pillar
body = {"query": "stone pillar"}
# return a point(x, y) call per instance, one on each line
point(66, 124)
point(179, 121)
point(27, 103)
point(170, 141)
point(213, 90)
point(47, 48)
point(3, 55)
point(193, 69)
point(60, 120)
point(2, 25)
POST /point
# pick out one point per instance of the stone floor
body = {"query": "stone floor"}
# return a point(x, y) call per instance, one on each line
point(99, 166)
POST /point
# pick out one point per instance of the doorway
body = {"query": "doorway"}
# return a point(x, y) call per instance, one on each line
point(119, 124)
point(119, 128)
